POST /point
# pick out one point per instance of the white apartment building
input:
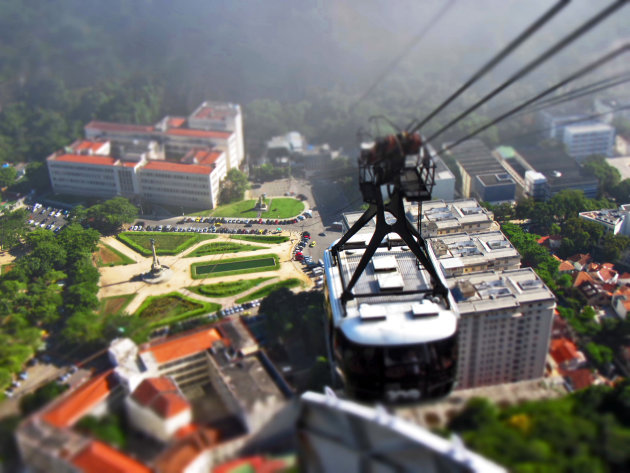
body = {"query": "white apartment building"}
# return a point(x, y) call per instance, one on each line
point(194, 182)
point(461, 253)
point(440, 217)
point(584, 140)
point(211, 125)
point(504, 327)
point(221, 116)
point(615, 221)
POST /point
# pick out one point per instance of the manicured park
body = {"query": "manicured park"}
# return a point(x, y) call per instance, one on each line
point(172, 307)
point(226, 267)
point(221, 247)
point(165, 243)
point(105, 255)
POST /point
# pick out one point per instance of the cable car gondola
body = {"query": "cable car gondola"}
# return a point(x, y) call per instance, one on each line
point(392, 322)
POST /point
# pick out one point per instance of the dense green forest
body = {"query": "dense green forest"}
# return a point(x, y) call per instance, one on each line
point(292, 66)
point(586, 432)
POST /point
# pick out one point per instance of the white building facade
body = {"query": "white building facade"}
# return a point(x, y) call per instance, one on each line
point(504, 327)
point(584, 140)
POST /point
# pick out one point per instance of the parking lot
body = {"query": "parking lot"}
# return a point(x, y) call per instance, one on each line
point(50, 218)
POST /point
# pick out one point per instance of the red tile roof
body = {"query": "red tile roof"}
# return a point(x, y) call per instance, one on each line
point(175, 348)
point(161, 396)
point(606, 274)
point(580, 379)
point(625, 276)
point(581, 278)
point(176, 167)
point(176, 122)
point(580, 258)
point(566, 266)
point(130, 164)
point(86, 159)
point(198, 133)
point(202, 156)
point(81, 145)
point(215, 113)
point(80, 401)
point(122, 127)
point(563, 350)
point(186, 450)
point(98, 457)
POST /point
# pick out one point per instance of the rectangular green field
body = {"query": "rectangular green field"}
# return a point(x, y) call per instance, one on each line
point(222, 267)
point(234, 266)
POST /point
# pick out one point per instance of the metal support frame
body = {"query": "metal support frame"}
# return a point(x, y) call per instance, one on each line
point(401, 226)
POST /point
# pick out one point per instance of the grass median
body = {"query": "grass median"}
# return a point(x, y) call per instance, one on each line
point(165, 243)
point(265, 291)
point(228, 267)
point(228, 288)
point(261, 238)
point(221, 247)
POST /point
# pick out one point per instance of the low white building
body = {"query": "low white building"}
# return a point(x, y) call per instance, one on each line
point(615, 221)
point(193, 182)
point(584, 140)
point(158, 409)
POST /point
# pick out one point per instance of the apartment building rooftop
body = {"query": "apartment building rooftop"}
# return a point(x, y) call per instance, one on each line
point(498, 290)
point(464, 215)
point(461, 252)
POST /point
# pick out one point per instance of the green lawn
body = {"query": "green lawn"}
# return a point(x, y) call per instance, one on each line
point(221, 247)
point(227, 267)
point(265, 291)
point(165, 243)
point(105, 255)
point(226, 289)
point(114, 304)
point(261, 238)
point(279, 207)
point(244, 209)
point(172, 307)
point(284, 207)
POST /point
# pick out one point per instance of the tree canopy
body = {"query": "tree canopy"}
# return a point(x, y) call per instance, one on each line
point(587, 431)
point(233, 186)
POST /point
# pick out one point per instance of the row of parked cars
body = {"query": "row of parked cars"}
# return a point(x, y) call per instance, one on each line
point(170, 228)
point(239, 308)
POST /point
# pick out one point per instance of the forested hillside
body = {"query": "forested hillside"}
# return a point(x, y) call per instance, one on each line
point(291, 64)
